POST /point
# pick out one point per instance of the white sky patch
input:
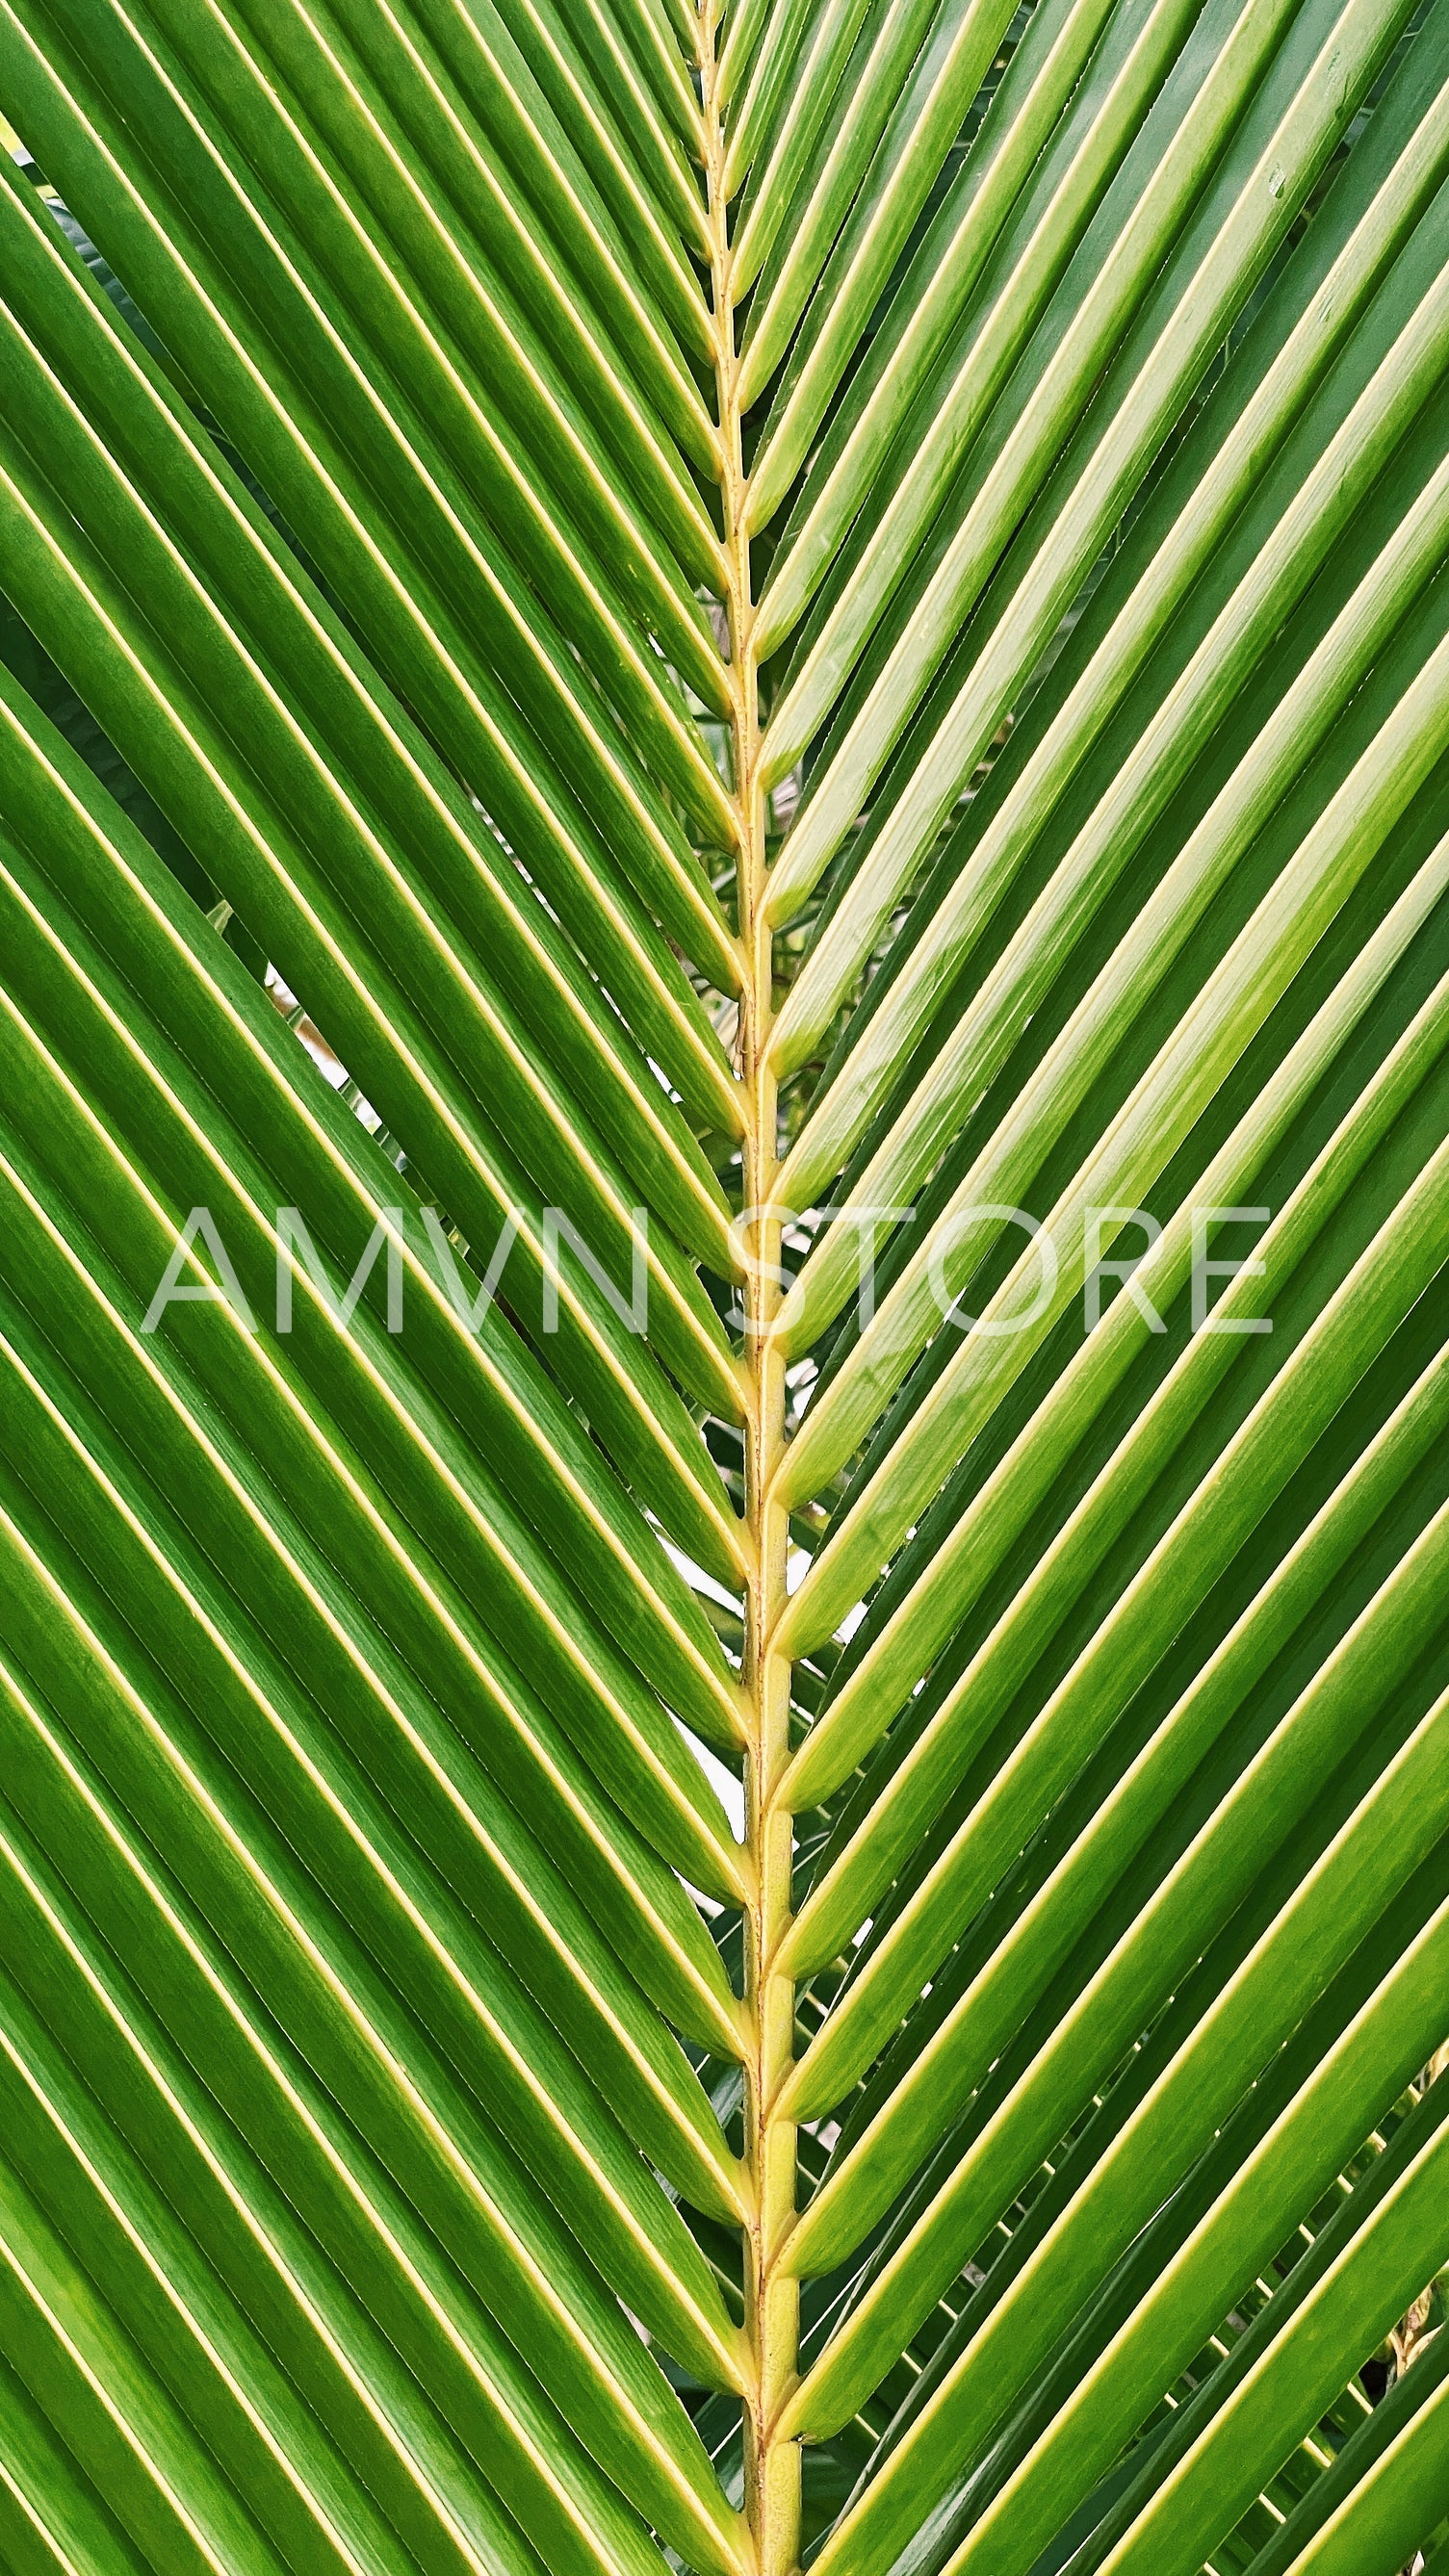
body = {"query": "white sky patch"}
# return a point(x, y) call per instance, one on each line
point(721, 1778)
point(695, 1575)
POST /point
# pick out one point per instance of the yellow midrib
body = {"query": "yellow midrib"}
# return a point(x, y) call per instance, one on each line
point(772, 2305)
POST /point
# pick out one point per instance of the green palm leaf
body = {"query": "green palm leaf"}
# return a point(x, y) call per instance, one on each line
point(724, 1399)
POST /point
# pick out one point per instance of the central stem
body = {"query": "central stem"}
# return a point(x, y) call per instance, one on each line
point(772, 2297)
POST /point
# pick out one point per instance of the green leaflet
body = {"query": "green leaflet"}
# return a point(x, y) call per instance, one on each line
point(1333, 2317)
point(938, 2078)
point(1363, 806)
point(920, 1626)
point(485, 2394)
point(1383, 2503)
point(416, 608)
point(1048, 61)
point(193, 2332)
point(1348, 2070)
point(178, 477)
point(909, 103)
point(1364, 407)
point(1248, 219)
point(57, 958)
point(296, 1770)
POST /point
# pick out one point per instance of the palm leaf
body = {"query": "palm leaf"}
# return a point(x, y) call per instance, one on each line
point(724, 1407)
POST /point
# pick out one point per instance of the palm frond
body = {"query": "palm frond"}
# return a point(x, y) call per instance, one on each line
point(724, 1402)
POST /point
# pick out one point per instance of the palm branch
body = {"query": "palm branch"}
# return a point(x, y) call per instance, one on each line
point(724, 1391)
